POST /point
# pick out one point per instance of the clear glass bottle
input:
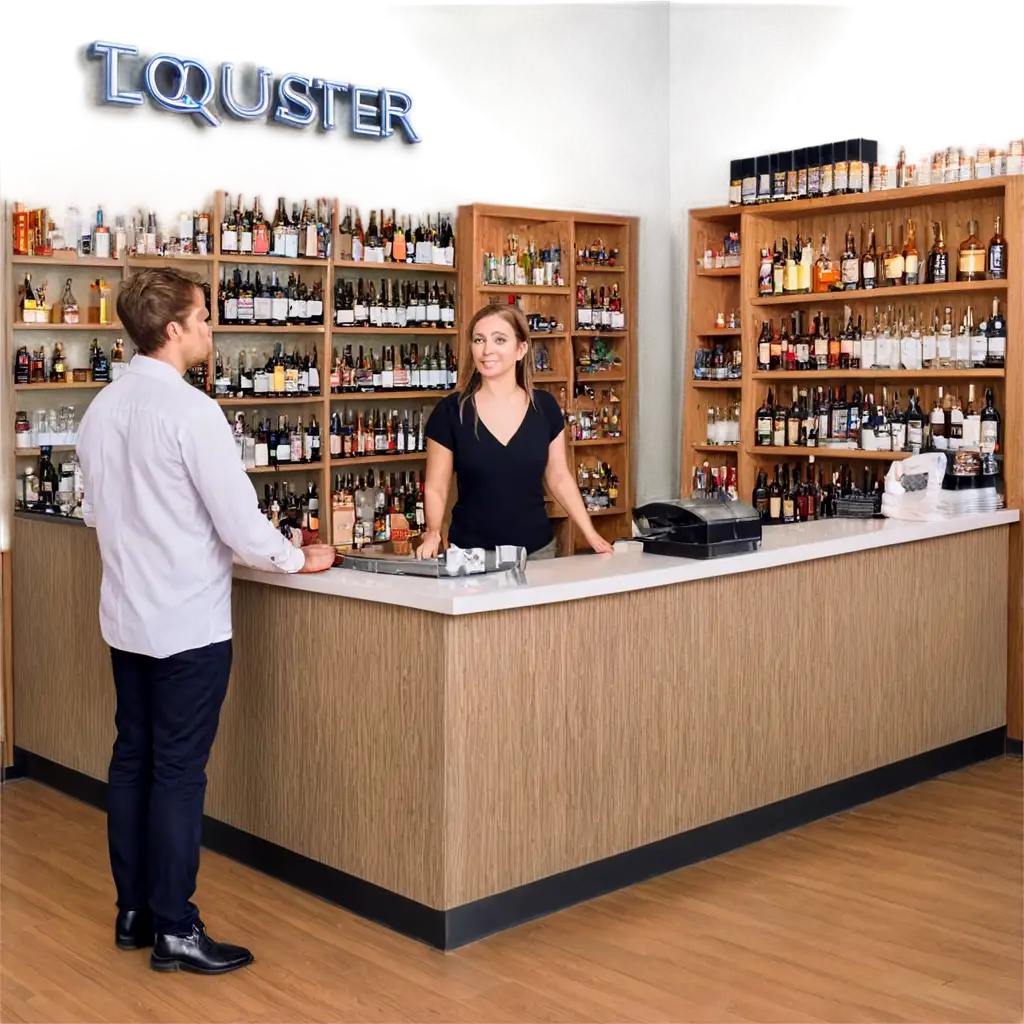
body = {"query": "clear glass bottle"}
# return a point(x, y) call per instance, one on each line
point(971, 256)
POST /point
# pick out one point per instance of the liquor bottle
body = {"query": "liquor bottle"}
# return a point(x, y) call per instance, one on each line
point(775, 499)
point(759, 499)
point(937, 424)
point(869, 263)
point(996, 263)
point(825, 277)
point(101, 237)
point(849, 267)
point(911, 257)
point(915, 424)
point(996, 341)
point(892, 259)
point(977, 340)
point(764, 419)
point(971, 257)
point(990, 425)
point(804, 266)
point(49, 481)
point(99, 365)
point(938, 258)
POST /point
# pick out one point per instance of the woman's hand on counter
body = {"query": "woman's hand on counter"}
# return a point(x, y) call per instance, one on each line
point(598, 543)
point(431, 544)
point(318, 557)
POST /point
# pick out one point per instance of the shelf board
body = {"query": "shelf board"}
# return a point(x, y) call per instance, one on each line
point(597, 268)
point(711, 385)
point(598, 378)
point(549, 378)
point(67, 259)
point(269, 401)
point(720, 332)
point(376, 460)
point(599, 442)
point(409, 268)
point(718, 213)
point(387, 396)
point(795, 375)
point(268, 329)
point(163, 261)
point(765, 451)
point(34, 453)
point(411, 331)
point(606, 512)
point(272, 261)
point(879, 295)
point(288, 467)
point(719, 272)
point(524, 289)
point(600, 334)
point(19, 326)
point(953, 192)
point(89, 385)
point(537, 335)
point(724, 449)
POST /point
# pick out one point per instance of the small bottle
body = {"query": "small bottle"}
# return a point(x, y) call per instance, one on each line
point(911, 257)
point(938, 258)
point(996, 339)
point(990, 425)
point(849, 272)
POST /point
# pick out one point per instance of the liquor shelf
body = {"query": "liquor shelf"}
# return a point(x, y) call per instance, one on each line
point(268, 329)
point(85, 385)
point(510, 808)
point(411, 268)
point(18, 325)
point(287, 467)
point(953, 245)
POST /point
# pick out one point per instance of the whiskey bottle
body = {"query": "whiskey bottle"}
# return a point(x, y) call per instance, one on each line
point(971, 256)
point(937, 424)
point(996, 263)
point(996, 332)
point(869, 263)
point(850, 265)
point(825, 275)
point(892, 259)
point(938, 258)
point(911, 257)
point(915, 424)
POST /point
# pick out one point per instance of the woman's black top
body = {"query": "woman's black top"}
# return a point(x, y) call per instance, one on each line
point(500, 487)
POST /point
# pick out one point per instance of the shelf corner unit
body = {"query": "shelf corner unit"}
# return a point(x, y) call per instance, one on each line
point(484, 228)
point(953, 205)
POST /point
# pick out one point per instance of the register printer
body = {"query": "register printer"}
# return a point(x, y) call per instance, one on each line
point(698, 527)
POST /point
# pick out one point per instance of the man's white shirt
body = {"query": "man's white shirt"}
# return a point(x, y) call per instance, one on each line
point(171, 503)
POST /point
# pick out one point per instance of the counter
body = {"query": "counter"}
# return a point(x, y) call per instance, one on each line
point(452, 757)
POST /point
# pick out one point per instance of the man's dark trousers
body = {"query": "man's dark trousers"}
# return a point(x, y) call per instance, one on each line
point(168, 710)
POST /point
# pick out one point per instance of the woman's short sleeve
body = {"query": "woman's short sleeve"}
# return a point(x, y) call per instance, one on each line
point(548, 405)
point(439, 423)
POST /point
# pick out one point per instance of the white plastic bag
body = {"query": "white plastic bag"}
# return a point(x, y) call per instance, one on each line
point(913, 487)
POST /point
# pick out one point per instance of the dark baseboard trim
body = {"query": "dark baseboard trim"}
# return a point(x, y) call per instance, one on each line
point(461, 925)
point(1014, 748)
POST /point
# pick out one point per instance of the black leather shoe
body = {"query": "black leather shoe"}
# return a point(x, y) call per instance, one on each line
point(133, 929)
point(198, 953)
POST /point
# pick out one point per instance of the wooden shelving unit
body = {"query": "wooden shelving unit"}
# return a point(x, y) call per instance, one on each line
point(953, 205)
point(325, 338)
point(483, 228)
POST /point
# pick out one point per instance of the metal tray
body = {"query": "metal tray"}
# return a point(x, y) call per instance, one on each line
point(452, 563)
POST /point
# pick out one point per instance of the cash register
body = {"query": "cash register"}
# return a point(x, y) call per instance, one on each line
point(698, 527)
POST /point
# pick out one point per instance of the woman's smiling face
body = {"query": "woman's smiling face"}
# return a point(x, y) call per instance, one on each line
point(495, 347)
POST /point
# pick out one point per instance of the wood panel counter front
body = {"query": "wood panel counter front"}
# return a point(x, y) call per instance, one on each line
point(501, 751)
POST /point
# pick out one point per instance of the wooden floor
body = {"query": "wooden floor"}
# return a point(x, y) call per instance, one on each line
point(909, 909)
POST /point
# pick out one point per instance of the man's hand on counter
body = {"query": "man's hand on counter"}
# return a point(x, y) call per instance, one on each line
point(318, 557)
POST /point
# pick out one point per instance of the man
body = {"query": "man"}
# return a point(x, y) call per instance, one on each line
point(171, 503)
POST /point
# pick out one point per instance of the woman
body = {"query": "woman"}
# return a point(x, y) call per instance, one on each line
point(504, 440)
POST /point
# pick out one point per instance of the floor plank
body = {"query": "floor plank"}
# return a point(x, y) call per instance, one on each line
point(907, 909)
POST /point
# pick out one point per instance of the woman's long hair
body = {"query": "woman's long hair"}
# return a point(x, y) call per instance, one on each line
point(516, 319)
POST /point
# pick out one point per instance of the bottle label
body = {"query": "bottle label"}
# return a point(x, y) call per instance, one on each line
point(850, 270)
point(230, 310)
point(775, 507)
point(894, 267)
point(997, 346)
point(997, 261)
point(764, 430)
point(262, 307)
point(314, 309)
point(915, 435)
point(868, 271)
point(989, 435)
point(229, 241)
point(763, 353)
point(929, 348)
point(279, 308)
point(262, 453)
point(346, 317)
point(913, 265)
point(972, 261)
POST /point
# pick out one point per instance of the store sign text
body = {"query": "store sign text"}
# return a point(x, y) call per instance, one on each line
point(187, 86)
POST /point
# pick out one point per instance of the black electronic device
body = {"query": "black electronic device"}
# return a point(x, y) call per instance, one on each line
point(698, 527)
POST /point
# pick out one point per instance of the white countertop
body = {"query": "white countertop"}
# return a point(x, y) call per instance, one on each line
point(569, 579)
